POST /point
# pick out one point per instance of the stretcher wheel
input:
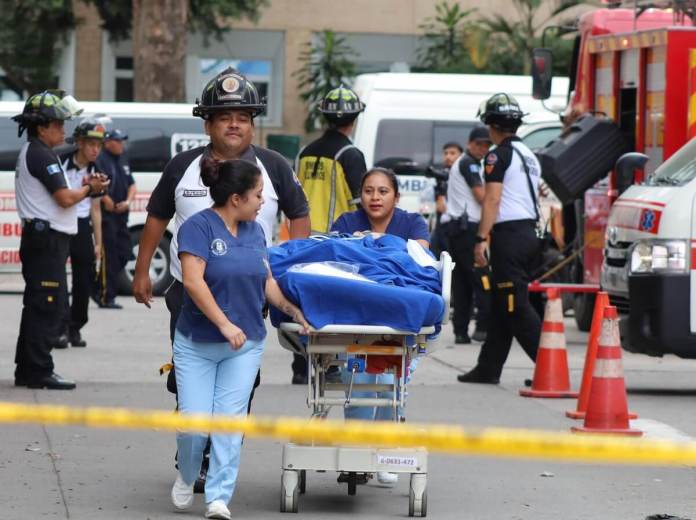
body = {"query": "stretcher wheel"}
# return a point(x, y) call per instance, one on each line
point(418, 496)
point(289, 491)
point(303, 481)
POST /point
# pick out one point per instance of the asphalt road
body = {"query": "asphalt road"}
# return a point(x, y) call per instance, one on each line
point(80, 473)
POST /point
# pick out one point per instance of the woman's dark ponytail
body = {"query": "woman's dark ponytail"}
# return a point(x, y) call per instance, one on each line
point(210, 171)
point(227, 178)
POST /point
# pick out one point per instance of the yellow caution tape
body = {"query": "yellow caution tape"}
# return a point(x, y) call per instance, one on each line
point(496, 442)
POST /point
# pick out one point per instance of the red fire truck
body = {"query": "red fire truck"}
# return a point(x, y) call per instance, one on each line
point(636, 67)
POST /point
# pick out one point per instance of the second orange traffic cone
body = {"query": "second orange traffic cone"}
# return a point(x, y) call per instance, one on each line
point(551, 376)
point(607, 408)
point(601, 301)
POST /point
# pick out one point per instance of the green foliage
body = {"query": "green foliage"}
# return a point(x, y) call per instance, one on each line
point(31, 34)
point(514, 37)
point(500, 43)
point(442, 46)
point(207, 17)
point(326, 64)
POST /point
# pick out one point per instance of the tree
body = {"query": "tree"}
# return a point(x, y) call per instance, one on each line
point(326, 64)
point(441, 48)
point(31, 35)
point(160, 29)
point(514, 37)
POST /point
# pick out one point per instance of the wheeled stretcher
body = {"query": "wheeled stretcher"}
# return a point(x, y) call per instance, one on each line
point(354, 348)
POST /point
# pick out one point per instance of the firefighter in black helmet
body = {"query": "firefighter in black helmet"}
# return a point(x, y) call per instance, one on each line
point(330, 168)
point(47, 206)
point(228, 105)
point(85, 246)
point(509, 217)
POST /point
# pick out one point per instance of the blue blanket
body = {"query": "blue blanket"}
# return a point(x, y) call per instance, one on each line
point(406, 297)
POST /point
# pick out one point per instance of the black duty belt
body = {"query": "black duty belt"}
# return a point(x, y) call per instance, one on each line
point(514, 225)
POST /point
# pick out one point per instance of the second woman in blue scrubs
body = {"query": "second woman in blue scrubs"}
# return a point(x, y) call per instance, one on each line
point(379, 194)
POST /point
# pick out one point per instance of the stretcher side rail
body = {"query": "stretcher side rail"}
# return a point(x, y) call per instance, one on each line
point(378, 330)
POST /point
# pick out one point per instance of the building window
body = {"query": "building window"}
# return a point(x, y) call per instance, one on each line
point(123, 79)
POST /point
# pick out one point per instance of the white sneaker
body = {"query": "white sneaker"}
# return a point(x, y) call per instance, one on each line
point(218, 509)
point(182, 493)
point(385, 477)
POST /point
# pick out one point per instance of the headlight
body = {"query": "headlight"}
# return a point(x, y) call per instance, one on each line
point(668, 256)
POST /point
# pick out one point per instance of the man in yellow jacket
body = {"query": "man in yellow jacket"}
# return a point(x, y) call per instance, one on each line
point(330, 168)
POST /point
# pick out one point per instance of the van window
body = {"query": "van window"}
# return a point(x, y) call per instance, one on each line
point(540, 138)
point(420, 141)
point(10, 144)
point(148, 147)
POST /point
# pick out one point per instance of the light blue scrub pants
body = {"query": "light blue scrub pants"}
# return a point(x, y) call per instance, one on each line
point(212, 378)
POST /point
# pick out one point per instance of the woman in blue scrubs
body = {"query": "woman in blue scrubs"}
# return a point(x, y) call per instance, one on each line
point(220, 333)
point(379, 195)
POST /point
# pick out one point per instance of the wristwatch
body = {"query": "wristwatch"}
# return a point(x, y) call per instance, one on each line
point(480, 239)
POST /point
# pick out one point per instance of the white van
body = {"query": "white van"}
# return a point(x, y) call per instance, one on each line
point(410, 116)
point(156, 132)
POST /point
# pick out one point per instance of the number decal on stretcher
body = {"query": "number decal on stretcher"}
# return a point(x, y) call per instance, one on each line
point(389, 460)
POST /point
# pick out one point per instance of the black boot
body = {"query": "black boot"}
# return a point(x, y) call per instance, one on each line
point(60, 342)
point(75, 339)
point(476, 375)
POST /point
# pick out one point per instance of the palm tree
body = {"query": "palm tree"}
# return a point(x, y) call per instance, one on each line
point(441, 48)
point(326, 64)
point(514, 37)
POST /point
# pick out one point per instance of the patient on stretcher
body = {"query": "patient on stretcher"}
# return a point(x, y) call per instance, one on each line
point(406, 297)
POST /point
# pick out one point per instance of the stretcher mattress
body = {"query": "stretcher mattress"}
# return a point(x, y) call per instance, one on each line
point(405, 297)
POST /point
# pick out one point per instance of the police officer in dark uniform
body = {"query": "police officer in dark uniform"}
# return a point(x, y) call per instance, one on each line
point(117, 250)
point(509, 217)
point(460, 223)
point(46, 203)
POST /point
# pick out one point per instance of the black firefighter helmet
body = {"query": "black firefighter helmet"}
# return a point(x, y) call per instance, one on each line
point(229, 90)
point(46, 106)
point(341, 106)
point(89, 128)
point(501, 110)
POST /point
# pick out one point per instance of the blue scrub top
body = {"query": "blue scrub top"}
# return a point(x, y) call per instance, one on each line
point(402, 224)
point(236, 271)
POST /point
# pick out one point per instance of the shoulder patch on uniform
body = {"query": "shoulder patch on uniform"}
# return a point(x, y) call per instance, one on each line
point(491, 158)
point(474, 168)
point(53, 168)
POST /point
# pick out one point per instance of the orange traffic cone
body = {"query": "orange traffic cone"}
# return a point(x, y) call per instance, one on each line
point(601, 301)
point(607, 408)
point(551, 377)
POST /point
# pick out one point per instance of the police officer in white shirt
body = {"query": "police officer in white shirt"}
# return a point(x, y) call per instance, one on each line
point(85, 246)
point(46, 204)
point(509, 216)
point(460, 223)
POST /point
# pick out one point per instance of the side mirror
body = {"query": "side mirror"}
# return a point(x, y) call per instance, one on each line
point(542, 74)
point(626, 168)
